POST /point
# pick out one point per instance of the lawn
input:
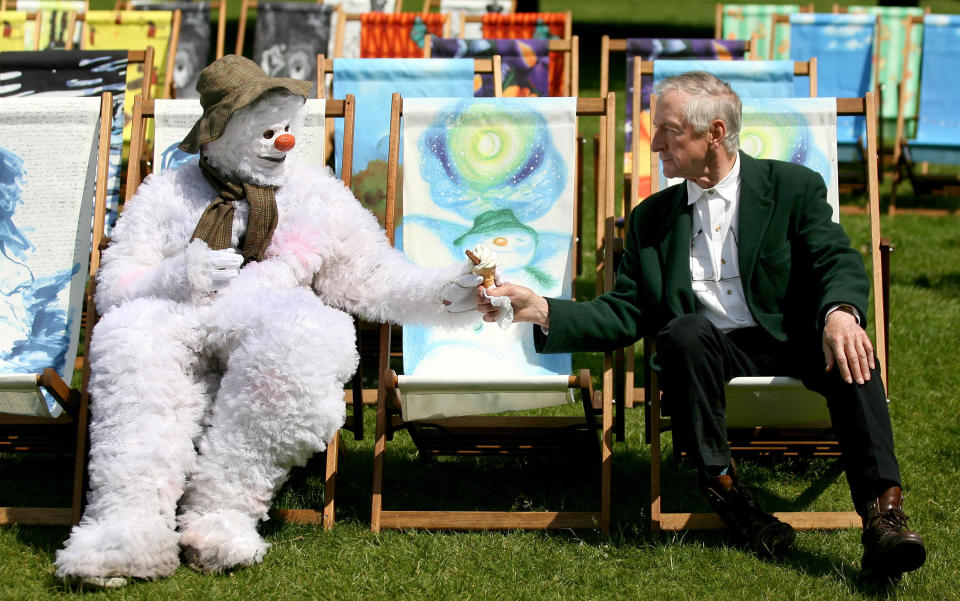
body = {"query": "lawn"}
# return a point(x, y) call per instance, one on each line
point(349, 562)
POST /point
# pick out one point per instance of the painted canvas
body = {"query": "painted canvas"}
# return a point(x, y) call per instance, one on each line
point(74, 73)
point(173, 120)
point(749, 79)
point(896, 39)
point(373, 82)
point(351, 32)
point(538, 26)
point(524, 66)
point(457, 8)
point(131, 30)
point(289, 36)
point(744, 21)
point(938, 127)
point(498, 172)
point(843, 45)
point(397, 35)
point(796, 130)
point(46, 195)
point(53, 27)
point(649, 49)
point(13, 34)
point(193, 45)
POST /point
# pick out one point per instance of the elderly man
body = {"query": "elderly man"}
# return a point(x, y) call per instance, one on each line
point(739, 271)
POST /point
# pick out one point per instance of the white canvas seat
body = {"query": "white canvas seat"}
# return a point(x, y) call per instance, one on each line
point(47, 204)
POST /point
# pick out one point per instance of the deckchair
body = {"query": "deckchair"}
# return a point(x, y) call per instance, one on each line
point(749, 79)
point(778, 416)
point(938, 130)
point(748, 21)
point(57, 24)
point(172, 120)
point(453, 377)
point(193, 38)
point(392, 35)
point(38, 74)
point(518, 76)
point(898, 40)
point(845, 50)
point(458, 8)
point(288, 36)
point(137, 30)
point(48, 204)
point(347, 39)
point(564, 57)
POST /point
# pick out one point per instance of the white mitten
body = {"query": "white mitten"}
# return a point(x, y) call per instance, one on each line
point(505, 315)
point(211, 270)
point(461, 293)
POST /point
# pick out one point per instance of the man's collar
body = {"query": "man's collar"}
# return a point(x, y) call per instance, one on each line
point(726, 188)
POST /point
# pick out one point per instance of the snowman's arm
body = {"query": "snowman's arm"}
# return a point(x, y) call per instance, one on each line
point(363, 274)
point(150, 253)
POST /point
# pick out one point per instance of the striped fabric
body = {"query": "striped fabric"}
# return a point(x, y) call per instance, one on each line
point(384, 35)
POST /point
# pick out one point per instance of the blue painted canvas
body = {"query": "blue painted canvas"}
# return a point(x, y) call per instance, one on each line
point(497, 172)
point(373, 81)
point(843, 45)
point(749, 79)
point(46, 193)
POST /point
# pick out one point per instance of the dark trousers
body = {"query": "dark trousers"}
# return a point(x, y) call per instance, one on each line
point(695, 360)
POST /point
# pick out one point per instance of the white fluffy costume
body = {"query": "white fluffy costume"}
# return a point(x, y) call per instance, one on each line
point(209, 381)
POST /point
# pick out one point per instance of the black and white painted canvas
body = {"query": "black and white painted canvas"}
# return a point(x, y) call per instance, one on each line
point(289, 36)
point(193, 45)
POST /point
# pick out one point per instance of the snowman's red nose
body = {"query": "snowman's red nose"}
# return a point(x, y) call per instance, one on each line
point(285, 142)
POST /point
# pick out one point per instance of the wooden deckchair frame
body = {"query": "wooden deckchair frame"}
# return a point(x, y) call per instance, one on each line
point(474, 428)
point(143, 110)
point(769, 443)
point(215, 5)
point(69, 431)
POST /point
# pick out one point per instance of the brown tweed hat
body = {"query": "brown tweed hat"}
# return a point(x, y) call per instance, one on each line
point(227, 85)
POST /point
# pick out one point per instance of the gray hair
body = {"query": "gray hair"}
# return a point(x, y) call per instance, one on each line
point(709, 99)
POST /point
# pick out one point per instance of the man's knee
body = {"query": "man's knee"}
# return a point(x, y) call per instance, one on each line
point(684, 334)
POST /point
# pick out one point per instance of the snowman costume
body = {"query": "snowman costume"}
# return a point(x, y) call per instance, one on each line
point(213, 373)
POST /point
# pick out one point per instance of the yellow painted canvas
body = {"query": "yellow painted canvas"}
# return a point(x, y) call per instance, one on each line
point(131, 30)
point(13, 30)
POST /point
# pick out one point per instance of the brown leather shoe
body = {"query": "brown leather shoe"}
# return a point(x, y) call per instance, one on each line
point(766, 535)
point(889, 549)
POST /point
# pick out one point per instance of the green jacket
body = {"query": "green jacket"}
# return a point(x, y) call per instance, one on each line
point(795, 263)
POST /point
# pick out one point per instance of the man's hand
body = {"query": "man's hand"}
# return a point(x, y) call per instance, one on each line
point(527, 304)
point(847, 347)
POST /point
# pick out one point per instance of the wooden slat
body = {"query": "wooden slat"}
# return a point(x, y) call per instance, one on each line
point(36, 516)
point(489, 520)
point(800, 520)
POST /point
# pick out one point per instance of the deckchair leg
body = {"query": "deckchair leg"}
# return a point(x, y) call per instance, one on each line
point(379, 451)
point(330, 483)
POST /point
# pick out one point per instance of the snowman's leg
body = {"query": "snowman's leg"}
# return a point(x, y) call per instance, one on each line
point(147, 402)
point(280, 401)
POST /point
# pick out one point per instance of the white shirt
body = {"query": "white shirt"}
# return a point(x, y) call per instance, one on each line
point(714, 253)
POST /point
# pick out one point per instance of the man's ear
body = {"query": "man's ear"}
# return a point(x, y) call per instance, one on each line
point(717, 131)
